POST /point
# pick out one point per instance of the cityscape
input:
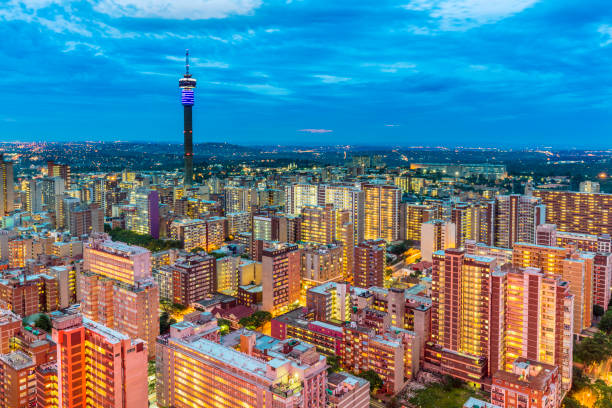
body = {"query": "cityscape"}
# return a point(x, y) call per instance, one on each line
point(401, 272)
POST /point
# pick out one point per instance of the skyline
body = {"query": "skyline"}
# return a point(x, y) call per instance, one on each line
point(301, 72)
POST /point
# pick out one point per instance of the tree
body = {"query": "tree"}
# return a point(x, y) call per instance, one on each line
point(165, 321)
point(334, 364)
point(598, 311)
point(373, 378)
point(605, 324)
point(224, 326)
point(44, 322)
point(593, 349)
point(570, 402)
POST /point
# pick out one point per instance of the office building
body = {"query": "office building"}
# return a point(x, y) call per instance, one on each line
point(146, 220)
point(7, 186)
point(350, 199)
point(320, 264)
point(417, 214)
point(318, 224)
point(116, 260)
point(299, 195)
point(59, 170)
point(240, 199)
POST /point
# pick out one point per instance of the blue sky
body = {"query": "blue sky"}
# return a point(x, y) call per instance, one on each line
point(407, 72)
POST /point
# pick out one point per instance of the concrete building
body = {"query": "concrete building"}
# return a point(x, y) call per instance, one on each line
point(280, 277)
point(530, 384)
point(88, 352)
point(17, 380)
point(369, 263)
point(193, 278)
point(516, 219)
point(437, 235)
point(381, 209)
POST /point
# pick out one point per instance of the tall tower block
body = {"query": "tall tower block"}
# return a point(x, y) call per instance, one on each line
point(187, 84)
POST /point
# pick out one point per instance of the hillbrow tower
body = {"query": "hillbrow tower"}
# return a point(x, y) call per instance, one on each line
point(187, 83)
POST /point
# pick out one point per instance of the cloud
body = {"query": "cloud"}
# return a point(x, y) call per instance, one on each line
point(73, 45)
point(392, 68)
point(606, 35)
point(392, 125)
point(199, 63)
point(331, 79)
point(465, 14)
point(176, 9)
point(316, 130)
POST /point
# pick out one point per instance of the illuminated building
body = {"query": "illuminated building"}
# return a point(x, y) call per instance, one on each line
point(516, 219)
point(97, 366)
point(116, 260)
point(17, 380)
point(117, 289)
point(589, 213)
point(350, 199)
point(228, 274)
point(46, 385)
point(280, 277)
point(33, 196)
point(59, 170)
point(502, 255)
point(347, 391)
point(538, 321)
point(298, 196)
point(318, 224)
point(240, 199)
point(392, 353)
point(320, 264)
point(238, 222)
point(193, 370)
point(437, 235)
point(146, 220)
point(546, 234)
point(7, 187)
point(10, 324)
point(215, 233)
point(588, 187)
point(193, 278)
point(330, 301)
point(192, 233)
point(602, 279)
point(369, 263)
point(187, 84)
point(417, 214)
point(477, 403)
point(530, 384)
point(345, 236)
point(85, 220)
point(52, 192)
point(381, 209)
point(20, 295)
point(66, 284)
point(573, 266)
point(462, 291)
point(262, 228)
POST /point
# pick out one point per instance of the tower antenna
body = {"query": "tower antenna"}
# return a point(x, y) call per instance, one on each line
point(187, 61)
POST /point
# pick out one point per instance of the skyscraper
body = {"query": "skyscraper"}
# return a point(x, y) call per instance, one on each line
point(382, 211)
point(187, 83)
point(7, 189)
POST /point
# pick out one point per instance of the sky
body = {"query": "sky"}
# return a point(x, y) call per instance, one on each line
point(378, 72)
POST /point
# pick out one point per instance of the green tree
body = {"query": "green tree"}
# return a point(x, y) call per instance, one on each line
point(44, 322)
point(224, 326)
point(570, 402)
point(165, 321)
point(333, 364)
point(598, 311)
point(605, 324)
point(593, 349)
point(373, 378)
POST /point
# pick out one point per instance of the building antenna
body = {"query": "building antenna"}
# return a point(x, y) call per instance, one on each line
point(187, 62)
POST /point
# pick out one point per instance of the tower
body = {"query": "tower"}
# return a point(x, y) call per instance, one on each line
point(187, 83)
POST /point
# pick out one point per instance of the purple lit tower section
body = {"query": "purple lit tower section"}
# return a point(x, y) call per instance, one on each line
point(153, 203)
point(187, 84)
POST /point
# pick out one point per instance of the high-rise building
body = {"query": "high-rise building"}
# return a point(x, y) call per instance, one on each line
point(10, 324)
point(117, 289)
point(602, 279)
point(52, 192)
point(47, 385)
point(346, 198)
point(193, 370)
point(33, 196)
point(97, 366)
point(318, 224)
point(573, 266)
point(59, 170)
point(437, 235)
point(146, 220)
point(345, 236)
point(588, 187)
point(85, 220)
point(17, 380)
point(516, 219)
point(240, 199)
point(280, 277)
point(320, 264)
point(589, 213)
point(417, 214)
point(193, 278)
point(297, 196)
point(369, 263)
point(187, 84)
point(381, 210)
point(7, 187)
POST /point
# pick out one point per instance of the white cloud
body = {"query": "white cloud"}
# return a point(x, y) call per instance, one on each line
point(176, 9)
point(73, 45)
point(464, 14)
point(392, 68)
point(606, 34)
point(197, 62)
point(331, 79)
point(316, 130)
